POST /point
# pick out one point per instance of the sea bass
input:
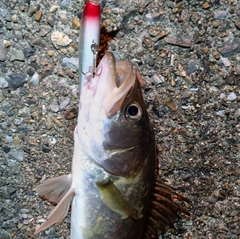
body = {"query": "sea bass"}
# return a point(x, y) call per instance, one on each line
point(113, 187)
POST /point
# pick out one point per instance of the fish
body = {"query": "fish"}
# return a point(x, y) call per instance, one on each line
point(114, 190)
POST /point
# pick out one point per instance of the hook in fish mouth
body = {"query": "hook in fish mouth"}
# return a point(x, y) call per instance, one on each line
point(110, 83)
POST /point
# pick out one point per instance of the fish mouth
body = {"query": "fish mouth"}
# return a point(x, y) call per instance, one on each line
point(115, 79)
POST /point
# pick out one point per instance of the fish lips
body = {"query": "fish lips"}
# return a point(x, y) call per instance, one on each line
point(115, 79)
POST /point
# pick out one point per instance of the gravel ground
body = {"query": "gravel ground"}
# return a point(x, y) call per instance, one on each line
point(188, 52)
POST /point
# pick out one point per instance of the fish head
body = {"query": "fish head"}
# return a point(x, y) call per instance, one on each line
point(113, 124)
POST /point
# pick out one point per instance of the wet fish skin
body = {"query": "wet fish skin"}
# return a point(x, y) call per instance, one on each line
point(113, 165)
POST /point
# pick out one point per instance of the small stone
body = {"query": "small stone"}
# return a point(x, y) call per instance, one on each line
point(16, 55)
point(237, 112)
point(230, 48)
point(16, 80)
point(59, 39)
point(232, 96)
point(18, 154)
point(38, 15)
point(222, 96)
point(54, 107)
point(179, 41)
point(51, 19)
point(32, 10)
point(153, 31)
point(36, 41)
point(191, 67)
point(7, 43)
point(45, 29)
point(14, 18)
point(53, 9)
point(3, 12)
point(76, 23)
point(216, 24)
point(64, 103)
point(46, 149)
point(225, 61)
point(48, 122)
point(171, 104)
point(206, 5)
point(3, 83)
point(71, 62)
point(147, 42)
point(72, 113)
point(220, 15)
point(155, 17)
point(3, 52)
point(220, 112)
point(50, 53)
point(63, 18)
point(65, 3)
point(35, 79)
point(29, 52)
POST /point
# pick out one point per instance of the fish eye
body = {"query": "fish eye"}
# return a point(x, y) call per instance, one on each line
point(134, 112)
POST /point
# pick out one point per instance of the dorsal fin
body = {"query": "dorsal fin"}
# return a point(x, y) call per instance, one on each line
point(163, 210)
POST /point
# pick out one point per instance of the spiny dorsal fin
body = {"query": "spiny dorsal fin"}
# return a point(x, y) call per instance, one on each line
point(163, 210)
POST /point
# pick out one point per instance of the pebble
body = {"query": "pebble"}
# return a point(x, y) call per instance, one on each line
point(17, 55)
point(155, 17)
point(45, 29)
point(76, 23)
point(71, 62)
point(54, 108)
point(63, 18)
point(171, 104)
point(32, 10)
point(64, 103)
point(232, 96)
point(230, 48)
point(29, 51)
point(65, 3)
point(225, 61)
point(38, 15)
point(14, 18)
point(18, 154)
point(35, 79)
point(191, 67)
point(220, 112)
point(3, 12)
point(179, 41)
point(53, 9)
point(206, 5)
point(16, 80)
point(3, 83)
point(3, 52)
point(59, 39)
point(220, 15)
point(237, 112)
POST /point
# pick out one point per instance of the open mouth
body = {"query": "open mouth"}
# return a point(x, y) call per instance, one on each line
point(115, 80)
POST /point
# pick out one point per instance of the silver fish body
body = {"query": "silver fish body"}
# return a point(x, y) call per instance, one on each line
point(113, 163)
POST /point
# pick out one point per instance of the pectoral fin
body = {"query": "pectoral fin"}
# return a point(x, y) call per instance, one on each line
point(55, 189)
point(115, 200)
point(59, 212)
